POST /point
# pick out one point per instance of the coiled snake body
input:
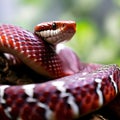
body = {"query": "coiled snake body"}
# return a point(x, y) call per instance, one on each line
point(64, 98)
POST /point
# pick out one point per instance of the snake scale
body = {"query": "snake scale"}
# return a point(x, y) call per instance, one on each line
point(65, 97)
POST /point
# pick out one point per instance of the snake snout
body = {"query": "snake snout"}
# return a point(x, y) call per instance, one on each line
point(70, 26)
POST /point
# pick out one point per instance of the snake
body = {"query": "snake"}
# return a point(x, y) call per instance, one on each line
point(67, 96)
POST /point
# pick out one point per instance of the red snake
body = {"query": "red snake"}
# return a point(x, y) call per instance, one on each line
point(65, 98)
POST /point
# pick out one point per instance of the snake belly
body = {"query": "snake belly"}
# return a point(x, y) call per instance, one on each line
point(65, 98)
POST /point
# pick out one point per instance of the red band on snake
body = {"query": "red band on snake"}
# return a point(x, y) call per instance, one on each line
point(65, 98)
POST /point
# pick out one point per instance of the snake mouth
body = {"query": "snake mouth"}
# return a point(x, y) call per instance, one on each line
point(56, 32)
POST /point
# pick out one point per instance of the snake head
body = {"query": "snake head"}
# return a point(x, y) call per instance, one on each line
point(56, 31)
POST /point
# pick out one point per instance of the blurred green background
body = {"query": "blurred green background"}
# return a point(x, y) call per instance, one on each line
point(98, 23)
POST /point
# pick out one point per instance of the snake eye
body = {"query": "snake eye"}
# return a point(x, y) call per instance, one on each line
point(54, 26)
